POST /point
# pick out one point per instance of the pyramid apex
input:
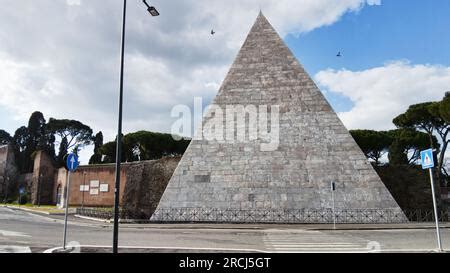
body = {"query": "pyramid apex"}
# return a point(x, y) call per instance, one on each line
point(261, 16)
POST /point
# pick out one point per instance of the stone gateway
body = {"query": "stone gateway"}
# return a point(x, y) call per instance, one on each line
point(222, 181)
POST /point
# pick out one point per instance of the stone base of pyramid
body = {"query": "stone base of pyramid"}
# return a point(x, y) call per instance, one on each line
point(288, 216)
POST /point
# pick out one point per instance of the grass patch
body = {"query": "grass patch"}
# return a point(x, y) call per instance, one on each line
point(42, 208)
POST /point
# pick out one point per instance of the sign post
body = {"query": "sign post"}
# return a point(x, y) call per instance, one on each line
point(428, 163)
point(71, 166)
point(333, 188)
point(21, 191)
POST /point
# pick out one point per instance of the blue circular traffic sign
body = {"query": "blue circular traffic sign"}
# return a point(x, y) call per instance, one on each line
point(72, 162)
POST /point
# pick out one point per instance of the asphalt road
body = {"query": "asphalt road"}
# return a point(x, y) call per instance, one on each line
point(22, 231)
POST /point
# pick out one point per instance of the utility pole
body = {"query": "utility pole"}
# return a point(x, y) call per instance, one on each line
point(427, 159)
point(66, 209)
point(119, 136)
point(333, 189)
point(436, 215)
point(153, 12)
point(71, 166)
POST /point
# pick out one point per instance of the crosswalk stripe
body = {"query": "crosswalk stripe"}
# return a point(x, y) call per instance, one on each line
point(297, 242)
point(8, 233)
point(311, 241)
point(318, 246)
point(15, 249)
point(322, 251)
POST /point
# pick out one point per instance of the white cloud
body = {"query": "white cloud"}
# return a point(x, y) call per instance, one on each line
point(381, 93)
point(73, 2)
point(373, 2)
point(64, 61)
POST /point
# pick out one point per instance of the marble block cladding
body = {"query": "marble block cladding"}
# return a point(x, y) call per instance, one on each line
point(218, 181)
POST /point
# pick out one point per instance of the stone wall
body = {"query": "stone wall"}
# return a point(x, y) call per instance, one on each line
point(142, 185)
point(43, 179)
point(145, 185)
point(90, 185)
point(8, 173)
point(59, 187)
point(99, 181)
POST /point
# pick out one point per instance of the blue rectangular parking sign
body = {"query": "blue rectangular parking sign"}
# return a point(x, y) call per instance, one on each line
point(427, 159)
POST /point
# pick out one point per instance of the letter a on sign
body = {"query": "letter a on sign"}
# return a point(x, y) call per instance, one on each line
point(427, 159)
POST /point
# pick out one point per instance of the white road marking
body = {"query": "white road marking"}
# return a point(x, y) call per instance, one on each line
point(312, 241)
point(51, 250)
point(8, 233)
point(15, 249)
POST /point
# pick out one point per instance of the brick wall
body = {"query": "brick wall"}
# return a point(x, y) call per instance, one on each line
point(90, 186)
point(43, 179)
point(99, 185)
point(3, 160)
point(8, 172)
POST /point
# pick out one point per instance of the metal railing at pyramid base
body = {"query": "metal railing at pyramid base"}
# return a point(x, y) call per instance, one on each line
point(181, 215)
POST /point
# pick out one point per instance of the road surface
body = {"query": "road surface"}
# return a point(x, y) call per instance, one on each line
point(22, 231)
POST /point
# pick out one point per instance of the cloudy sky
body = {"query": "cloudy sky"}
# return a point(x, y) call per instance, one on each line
point(61, 57)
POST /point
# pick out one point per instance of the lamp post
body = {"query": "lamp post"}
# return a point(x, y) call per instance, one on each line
point(333, 189)
point(150, 9)
point(153, 12)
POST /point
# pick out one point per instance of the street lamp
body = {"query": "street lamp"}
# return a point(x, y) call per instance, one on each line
point(153, 12)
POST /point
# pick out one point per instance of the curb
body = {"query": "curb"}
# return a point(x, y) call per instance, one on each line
point(281, 228)
point(136, 224)
point(93, 219)
point(140, 249)
point(38, 211)
point(121, 221)
point(79, 248)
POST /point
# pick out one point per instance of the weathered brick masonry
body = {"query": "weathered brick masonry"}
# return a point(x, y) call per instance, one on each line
point(142, 184)
point(8, 172)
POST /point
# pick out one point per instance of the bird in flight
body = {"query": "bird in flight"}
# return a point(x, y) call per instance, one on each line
point(339, 54)
point(213, 32)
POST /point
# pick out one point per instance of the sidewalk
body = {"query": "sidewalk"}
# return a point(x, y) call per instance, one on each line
point(286, 226)
point(129, 224)
point(140, 249)
point(41, 210)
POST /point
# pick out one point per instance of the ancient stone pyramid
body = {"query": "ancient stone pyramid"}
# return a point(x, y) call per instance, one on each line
point(220, 181)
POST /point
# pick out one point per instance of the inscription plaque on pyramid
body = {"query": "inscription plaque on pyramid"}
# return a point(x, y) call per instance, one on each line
point(241, 181)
